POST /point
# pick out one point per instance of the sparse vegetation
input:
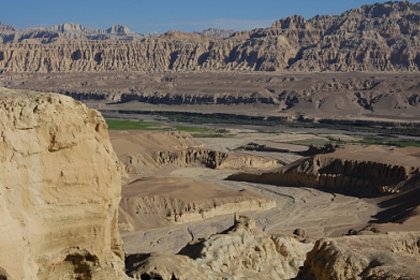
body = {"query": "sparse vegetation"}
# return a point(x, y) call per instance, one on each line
point(275, 122)
point(390, 142)
point(124, 124)
point(133, 124)
point(377, 140)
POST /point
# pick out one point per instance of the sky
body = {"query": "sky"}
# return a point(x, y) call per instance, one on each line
point(162, 15)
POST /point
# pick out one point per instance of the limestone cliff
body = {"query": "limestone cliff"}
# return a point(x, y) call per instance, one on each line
point(378, 37)
point(59, 190)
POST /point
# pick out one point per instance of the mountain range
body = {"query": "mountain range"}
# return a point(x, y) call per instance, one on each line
point(378, 37)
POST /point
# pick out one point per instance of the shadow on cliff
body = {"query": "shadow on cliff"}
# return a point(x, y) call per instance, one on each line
point(133, 261)
point(398, 208)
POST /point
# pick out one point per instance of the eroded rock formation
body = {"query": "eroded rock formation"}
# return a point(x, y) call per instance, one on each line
point(361, 171)
point(242, 252)
point(378, 37)
point(382, 257)
point(59, 190)
point(353, 98)
point(215, 159)
point(143, 153)
point(153, 202)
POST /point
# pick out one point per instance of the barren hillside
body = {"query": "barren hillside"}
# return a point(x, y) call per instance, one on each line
point(378, 37)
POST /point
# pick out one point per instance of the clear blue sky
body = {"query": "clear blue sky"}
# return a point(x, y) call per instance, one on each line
point(161, 15)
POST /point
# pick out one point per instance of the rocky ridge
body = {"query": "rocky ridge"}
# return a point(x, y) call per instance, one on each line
point(153, 202)
point(261, 257)
point(66, 31)
point(347, 170)
point(151, 151)
point(388, 97)
point(382, 257)
point(215, 159)
point(378, 37)
point(373, 256)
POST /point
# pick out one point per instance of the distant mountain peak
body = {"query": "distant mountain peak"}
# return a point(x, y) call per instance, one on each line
point(68, 28)
point(119, 29)
point(6, 27)
point(217, 32)
point(378, 37)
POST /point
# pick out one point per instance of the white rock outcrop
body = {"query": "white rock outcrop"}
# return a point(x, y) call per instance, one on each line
point(242, 252)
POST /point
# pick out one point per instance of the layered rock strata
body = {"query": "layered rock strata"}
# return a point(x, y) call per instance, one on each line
point(215, 159)
point(349, 170)
point(153, 202)
point(143, 153)
point(330, 99)
point(378, 37)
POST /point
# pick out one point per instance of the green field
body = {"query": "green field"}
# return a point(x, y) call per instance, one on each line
point(198, 131)
point(122, 124)
point(127, 124)
point(375, 140)
point(390, 142)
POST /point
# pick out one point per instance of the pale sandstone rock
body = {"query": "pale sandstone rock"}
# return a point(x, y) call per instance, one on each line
point(156, 202)
point(143, 153)
point(59, 190)
point(242, 252)
point(167, 267)
point(383, 256)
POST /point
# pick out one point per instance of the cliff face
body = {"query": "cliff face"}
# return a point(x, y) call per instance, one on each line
point(59, 191)
point(379, 37)
point(391, 256)
point(393, 97)
point(363, 171)
point(143, 153)
point(157, 202)
point(214, 159)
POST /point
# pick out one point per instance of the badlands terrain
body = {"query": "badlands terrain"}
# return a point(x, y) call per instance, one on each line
point(361, 65)
point(167, 205)
point(358, 67)
point(287, 152)
point(378, 37)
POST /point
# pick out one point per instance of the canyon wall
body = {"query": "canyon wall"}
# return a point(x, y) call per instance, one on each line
point(157, 202)
point(59, 190)
point(378, 37)
point(363, 171)
point(145, 152)
point(215, 159)
point(351, 97)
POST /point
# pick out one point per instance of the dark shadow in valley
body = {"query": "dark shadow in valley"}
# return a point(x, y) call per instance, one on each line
point(397, 208)
point(132, 262)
